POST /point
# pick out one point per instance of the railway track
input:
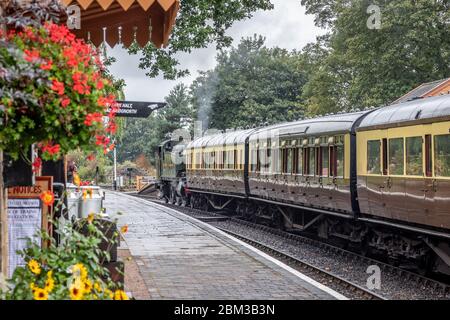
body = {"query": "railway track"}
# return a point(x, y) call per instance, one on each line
point(415, 288)
point(320, 274)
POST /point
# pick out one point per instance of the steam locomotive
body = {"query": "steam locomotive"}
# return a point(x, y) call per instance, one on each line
point(376, 180)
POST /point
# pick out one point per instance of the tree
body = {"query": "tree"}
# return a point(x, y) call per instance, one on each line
point(142, 136)
point(367, 67)
point(199, 23)
point(251, 84)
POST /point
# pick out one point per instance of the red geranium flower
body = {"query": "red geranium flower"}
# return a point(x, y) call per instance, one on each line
point(58, 87)
point(37, 164)
point(101, 140)
point(51, 149)
point(32, 56)
point(93, 117)
point(65, 102)
point(112, 127)
point(47, 65)
point(100, 85)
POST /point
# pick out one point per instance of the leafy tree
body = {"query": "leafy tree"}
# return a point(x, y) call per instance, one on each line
point(142, 136)
point(366, 67)
point(199, 23)
point(251, 85)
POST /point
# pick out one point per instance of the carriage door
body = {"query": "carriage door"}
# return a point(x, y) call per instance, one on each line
point(440, 186)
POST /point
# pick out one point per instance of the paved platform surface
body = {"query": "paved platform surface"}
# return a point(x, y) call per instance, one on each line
point(178, 257)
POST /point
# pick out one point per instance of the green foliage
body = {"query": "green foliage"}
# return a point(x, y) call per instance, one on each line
point(49, 84)
point(251, 85)
point(87, 168)
point(142, 136)
point(71, 270)
point(365, 67)
point(198, 24)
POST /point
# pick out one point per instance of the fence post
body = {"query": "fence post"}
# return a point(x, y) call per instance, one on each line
point(3, 213)
point(3, 221)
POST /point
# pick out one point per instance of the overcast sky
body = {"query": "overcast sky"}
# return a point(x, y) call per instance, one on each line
point(286, 26)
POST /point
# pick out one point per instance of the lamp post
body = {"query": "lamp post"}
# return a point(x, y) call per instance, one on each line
point(115, 167)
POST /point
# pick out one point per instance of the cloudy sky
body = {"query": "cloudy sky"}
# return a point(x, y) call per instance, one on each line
point(286, 26)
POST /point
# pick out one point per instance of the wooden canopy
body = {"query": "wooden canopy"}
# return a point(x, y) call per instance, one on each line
point(123, 21)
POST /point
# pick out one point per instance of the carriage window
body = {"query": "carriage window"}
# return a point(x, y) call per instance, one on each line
point(263, 160)
point(325, 161)
point(279, 157)
point(274, 161)
point(231, 160)
point(442, 155)
point(396, 156)
point(305, 161)
point(339, 161)
point(299, 161)
point(373, 157)
point(428, 155)
point(290, 153)
point(284, 154)
point(268, 164)
point(312, 161)
point(414, 158)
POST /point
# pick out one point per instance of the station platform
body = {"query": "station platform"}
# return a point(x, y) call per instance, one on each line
point(169, 255)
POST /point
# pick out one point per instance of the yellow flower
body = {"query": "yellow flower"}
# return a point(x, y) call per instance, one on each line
point(76, 290)
point(109, 293)
point(34, 266)
point(84, 195)
point(40, 294)
point(124, 229)
point(87, 286)
point(50, 282)
point(76, 179)
point(120, 295)
point(98, 286)
point(91, 217)
point(32, 287)
point(79, 271)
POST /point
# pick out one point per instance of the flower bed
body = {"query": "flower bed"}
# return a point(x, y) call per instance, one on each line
point(71, 271)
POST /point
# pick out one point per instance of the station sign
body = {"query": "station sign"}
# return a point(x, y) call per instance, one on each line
point(137, 109)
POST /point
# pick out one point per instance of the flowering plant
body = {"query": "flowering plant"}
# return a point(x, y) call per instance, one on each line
point(70, 271)
point(52, 93)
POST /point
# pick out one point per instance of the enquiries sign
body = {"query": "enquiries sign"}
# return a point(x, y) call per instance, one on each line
point(135, 109)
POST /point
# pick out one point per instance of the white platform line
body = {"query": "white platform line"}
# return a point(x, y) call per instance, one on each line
point(302, 276)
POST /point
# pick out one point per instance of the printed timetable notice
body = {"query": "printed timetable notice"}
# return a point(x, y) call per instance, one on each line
point(24, 220)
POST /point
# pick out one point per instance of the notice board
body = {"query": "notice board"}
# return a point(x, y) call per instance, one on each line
point(26, 216)
point(24, 219)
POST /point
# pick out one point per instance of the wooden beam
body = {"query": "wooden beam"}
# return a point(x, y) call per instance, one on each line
point(3, 221)
point(3, 213)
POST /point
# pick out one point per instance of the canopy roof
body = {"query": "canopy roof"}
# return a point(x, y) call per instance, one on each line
point(122, 21)
point(221, 139)
point(333, 124)
point(417, 111)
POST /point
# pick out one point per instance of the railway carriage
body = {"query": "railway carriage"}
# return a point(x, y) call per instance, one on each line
point(375, 180)
point(216, 166)
point(305, 163)
point(404, 177)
